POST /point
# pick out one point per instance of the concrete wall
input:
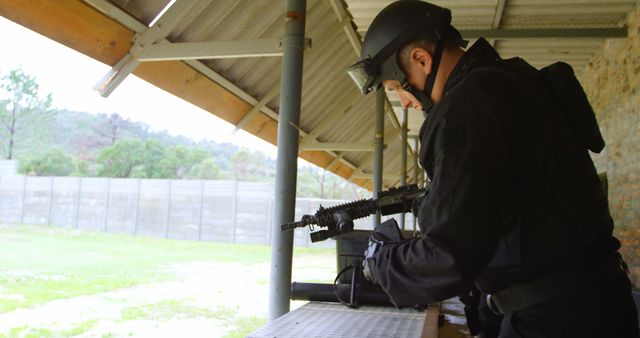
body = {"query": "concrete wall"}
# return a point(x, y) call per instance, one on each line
point(8, 167)
point(222, 211)
point(612, 81)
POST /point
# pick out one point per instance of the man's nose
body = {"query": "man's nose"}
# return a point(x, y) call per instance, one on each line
point(405, 102)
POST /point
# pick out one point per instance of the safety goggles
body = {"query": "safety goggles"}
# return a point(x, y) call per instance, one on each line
point(365, 74)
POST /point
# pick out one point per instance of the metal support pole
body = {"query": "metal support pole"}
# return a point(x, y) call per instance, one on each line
point(379, 144)
point(137, 209)
point(269, 220)
point(24, 198)
point(50, 205)
point(287, 160)
point(167, 218)
point(106, 206)
point(415, 174)
point(403, 158)
point(77, 209)
point(234, 210)
point(201, 211)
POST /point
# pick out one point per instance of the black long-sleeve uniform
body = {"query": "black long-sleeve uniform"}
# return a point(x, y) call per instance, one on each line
point(513, 195)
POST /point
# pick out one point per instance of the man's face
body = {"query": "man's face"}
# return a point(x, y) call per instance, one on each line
point(418, 66)
point(407, 100)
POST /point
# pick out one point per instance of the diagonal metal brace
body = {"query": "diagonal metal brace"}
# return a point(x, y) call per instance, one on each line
point(157, 32)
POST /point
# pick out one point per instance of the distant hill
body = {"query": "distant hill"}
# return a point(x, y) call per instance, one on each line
point(60, 142)
point(83, 136)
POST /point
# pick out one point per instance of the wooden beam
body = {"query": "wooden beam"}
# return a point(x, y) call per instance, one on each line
point(157, 32)
point(81, 27)
point(356, 43)
point(211, 50)
point(209, 73)
point(275, 90)
point(497, 18)
point(336, 146)
point(72, 24)
point(431, 318)
point(345, 19)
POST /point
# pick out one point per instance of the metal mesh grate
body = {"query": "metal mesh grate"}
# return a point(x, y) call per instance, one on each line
point(335, 320)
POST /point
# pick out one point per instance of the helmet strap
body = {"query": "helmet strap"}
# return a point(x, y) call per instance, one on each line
point(425, 98)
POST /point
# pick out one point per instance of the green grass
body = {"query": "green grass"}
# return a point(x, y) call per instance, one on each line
point(242, 325)
point(245, 325)
point(166, 310)
point(39, 264)
point(37, 332)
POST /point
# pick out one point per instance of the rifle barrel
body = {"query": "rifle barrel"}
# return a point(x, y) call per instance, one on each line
point(291, 226)
point(306, 220)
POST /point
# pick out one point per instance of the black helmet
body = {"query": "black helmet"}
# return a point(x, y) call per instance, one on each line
point(396, 25)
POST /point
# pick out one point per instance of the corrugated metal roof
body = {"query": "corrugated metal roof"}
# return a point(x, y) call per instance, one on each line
point(333, 111)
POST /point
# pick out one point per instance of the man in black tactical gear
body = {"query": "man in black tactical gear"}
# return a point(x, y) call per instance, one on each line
point(515, 204)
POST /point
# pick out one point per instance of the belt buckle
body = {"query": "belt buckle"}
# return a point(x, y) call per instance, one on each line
point(492, 306)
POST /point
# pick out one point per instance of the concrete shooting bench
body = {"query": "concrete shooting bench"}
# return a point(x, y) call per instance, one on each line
point(334, 320)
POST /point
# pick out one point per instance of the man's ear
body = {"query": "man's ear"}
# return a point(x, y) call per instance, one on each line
point(421, 58)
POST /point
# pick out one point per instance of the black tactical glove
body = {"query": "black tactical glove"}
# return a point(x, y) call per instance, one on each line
point(415, 206)
point(387, 233)
point(368, 263)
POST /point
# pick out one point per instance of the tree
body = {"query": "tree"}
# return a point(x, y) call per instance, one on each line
point(108, 130)
point(179, 161)
point(307, 185)
point(51, 162)
point(120, 159)
point(251, 166)
point(241, 164)
point(319, 183)
point(320, 176)
point(22, 112)
point(152, 157)
point(83, 169)
point(206, 170)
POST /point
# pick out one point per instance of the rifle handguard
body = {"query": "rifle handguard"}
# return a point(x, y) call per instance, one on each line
point(339, 219)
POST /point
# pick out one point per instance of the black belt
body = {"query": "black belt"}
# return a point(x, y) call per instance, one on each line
point(543, 289)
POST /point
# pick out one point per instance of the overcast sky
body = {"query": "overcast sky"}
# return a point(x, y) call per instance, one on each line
point(70, 76)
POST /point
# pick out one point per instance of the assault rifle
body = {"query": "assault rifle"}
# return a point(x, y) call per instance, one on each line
point(339, 219)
